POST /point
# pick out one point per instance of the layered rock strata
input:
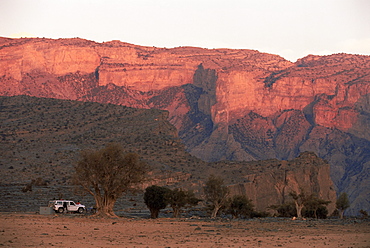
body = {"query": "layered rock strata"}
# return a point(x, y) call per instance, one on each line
point(226, 104)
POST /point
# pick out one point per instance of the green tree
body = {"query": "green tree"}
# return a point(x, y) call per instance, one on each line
point(285, 210)
point(299, 201)
point(156, 198)
point(315, 207)
point(240, 206)
point(216, 193)
point(342, 203)
point(108, 173)
point(179, 199)
point(310, 204)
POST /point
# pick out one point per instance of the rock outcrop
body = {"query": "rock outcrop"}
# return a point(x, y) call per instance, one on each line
point(270, 182)
point(227, 104)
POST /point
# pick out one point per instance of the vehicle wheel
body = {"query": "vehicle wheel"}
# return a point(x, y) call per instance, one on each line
point(60, 210)
point(81, 210)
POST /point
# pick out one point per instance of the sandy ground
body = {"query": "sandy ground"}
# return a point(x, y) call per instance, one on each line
point(33, 230)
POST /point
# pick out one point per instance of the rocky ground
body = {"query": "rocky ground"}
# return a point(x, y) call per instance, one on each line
point(73, 230)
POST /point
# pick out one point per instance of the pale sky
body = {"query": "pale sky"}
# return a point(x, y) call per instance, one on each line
point(290, 28)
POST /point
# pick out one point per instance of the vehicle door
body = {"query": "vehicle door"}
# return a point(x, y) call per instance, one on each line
point(72, 206)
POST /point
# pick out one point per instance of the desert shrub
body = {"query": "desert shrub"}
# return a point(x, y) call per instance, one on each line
point(321, 212)
point(27, 187)
point(40, 182)
point(239, 206)
point(364, 214)
point(285, 210)
point(259, 214)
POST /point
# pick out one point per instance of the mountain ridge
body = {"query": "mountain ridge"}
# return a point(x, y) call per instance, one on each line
point(226, 104)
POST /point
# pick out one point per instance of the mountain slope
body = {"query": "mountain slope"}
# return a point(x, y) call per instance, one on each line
point(41, 140)
point(226, 104)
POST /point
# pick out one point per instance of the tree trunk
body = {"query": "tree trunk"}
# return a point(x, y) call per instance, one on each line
point(215, 211)
point(176, 212)
point(341, 212)
point(154, 213)
point(104, 206)
point(299, 209)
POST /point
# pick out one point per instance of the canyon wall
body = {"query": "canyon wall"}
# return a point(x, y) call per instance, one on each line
point(226, 104)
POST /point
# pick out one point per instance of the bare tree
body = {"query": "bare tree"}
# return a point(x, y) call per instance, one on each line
point(108, 173)
point(217, 193)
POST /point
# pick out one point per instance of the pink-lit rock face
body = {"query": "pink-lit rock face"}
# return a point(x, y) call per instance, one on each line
point(43, 55)
point(226, 104)
point(233, 82)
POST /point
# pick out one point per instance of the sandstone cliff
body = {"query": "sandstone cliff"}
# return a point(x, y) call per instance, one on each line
point(226, 104)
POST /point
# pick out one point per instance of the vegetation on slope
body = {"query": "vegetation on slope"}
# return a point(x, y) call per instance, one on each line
point(43, 137)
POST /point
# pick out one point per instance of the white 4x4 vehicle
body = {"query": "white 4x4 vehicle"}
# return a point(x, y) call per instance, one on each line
point(61, 206)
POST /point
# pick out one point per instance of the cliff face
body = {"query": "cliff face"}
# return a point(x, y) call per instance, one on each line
point(226, 104)
point(270, 182)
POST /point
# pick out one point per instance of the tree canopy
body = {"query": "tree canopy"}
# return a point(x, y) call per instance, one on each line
point(156, 198)
point(342, 203)
point(303, 204)
point(240, 206)
point(216, 193)
point(300, 200)
point(108, 173)
point(179, 199)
